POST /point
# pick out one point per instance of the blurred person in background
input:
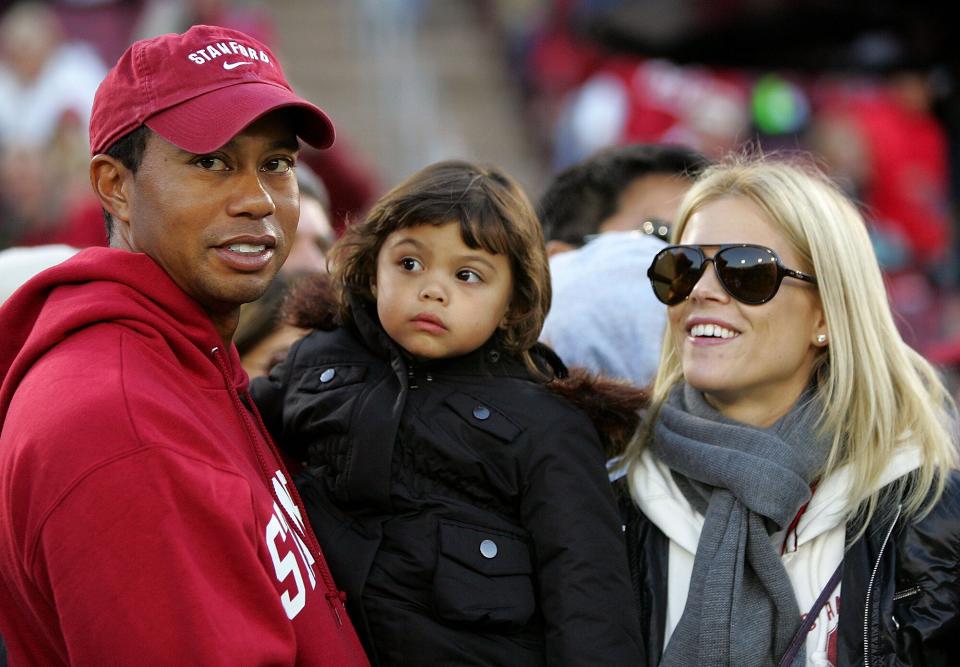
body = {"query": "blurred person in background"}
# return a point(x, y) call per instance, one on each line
point(796, 498)
point(625, 199)
point(161, 16)
point(46, 90)
point(145, 514)
point(620, 188)
point(42, 76)
point(315, 233)
point(263, 337)
point(18, 265)
point(885, 145)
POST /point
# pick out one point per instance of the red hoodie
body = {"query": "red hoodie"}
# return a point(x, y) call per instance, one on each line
point(145, 517)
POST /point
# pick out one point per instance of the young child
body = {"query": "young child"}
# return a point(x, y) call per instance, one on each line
point(462, 505)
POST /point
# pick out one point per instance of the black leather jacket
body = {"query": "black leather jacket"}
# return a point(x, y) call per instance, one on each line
point(900, 592)
point(462, 505)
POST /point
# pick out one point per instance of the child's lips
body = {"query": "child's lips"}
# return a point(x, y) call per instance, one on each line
point(429, 323)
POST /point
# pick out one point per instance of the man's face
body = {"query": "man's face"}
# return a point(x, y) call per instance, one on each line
point(652, 197)
point(221, 223)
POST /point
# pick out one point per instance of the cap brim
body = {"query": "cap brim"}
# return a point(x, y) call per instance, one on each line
point(207, 122)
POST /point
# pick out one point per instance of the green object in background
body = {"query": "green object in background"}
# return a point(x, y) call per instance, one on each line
point(778, 106)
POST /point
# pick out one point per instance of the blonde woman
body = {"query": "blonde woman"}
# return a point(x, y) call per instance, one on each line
point(795, 494)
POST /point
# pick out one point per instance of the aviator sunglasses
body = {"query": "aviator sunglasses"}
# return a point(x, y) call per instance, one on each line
point(751, 274)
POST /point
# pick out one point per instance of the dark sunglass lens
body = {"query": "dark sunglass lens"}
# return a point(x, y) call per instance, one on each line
point(748, 274)
point(674, 272)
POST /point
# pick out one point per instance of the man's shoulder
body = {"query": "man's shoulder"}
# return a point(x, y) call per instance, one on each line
point(91, 382)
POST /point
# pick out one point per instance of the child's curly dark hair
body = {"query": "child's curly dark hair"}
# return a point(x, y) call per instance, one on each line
point(493, 213)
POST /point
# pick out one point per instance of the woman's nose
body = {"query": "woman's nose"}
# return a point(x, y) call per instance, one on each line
point(708, 287)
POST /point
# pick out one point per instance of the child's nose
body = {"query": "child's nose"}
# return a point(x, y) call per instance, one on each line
point(433, 291)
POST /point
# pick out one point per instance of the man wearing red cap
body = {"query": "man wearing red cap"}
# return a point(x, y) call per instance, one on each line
point(145, 515)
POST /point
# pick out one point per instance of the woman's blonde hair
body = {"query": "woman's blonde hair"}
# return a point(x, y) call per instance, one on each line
point(876, 390)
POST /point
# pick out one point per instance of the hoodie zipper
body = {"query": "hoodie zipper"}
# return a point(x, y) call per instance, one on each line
point(333, 595)
point(873, 576)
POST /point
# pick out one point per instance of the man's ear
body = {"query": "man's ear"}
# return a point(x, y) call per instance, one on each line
point(109, 179)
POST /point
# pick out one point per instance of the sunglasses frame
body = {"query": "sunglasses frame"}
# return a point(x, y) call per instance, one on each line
point(782, 271)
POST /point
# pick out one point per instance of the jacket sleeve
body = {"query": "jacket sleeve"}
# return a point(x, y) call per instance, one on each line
point(154, 558)
point(926, 604)
point(270, 393)
point(568, 508)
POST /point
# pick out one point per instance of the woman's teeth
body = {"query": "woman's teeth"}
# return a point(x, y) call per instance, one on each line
point(711, 331)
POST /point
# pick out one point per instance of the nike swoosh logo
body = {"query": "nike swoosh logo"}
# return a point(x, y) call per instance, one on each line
point(232, 65)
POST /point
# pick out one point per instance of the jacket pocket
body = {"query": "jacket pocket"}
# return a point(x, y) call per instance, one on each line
point(330, 377)
point(483, 577)
point(321, 401)
point(483, 416)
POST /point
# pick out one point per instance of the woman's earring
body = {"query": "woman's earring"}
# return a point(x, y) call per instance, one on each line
point(822, 338)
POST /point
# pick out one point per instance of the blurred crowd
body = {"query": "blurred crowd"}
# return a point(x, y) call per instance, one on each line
point(876, 106)
point(52, 57)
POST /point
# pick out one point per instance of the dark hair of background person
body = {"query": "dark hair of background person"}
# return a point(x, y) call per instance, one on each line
point(128, 150)
point(585, 194)
point(493, 213)
point(260, 318)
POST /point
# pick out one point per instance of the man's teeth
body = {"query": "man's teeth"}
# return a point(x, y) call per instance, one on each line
point(711, 331)
point(246, 248)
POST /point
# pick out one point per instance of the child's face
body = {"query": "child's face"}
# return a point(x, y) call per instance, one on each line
point(437, 297)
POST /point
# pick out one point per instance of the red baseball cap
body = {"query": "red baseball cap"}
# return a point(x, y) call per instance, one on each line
point(198, 90)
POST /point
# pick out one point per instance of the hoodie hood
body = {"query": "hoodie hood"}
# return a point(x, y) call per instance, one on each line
point(101, 285)
point(604, 317)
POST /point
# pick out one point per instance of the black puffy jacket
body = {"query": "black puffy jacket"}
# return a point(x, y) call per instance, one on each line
point(463, 506)
point(900, 592)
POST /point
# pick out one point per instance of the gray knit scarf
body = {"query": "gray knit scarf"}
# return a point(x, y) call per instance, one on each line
point(747, 482)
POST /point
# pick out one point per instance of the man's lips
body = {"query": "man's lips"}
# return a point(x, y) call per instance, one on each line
point(248, 242)
point(247, 253)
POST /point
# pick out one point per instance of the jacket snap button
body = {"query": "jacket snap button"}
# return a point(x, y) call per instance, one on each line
point(481, 412)
point(488, 549)
point(328, 375)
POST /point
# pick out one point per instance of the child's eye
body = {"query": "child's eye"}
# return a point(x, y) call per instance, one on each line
point(469, 276)
point(411, 264)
